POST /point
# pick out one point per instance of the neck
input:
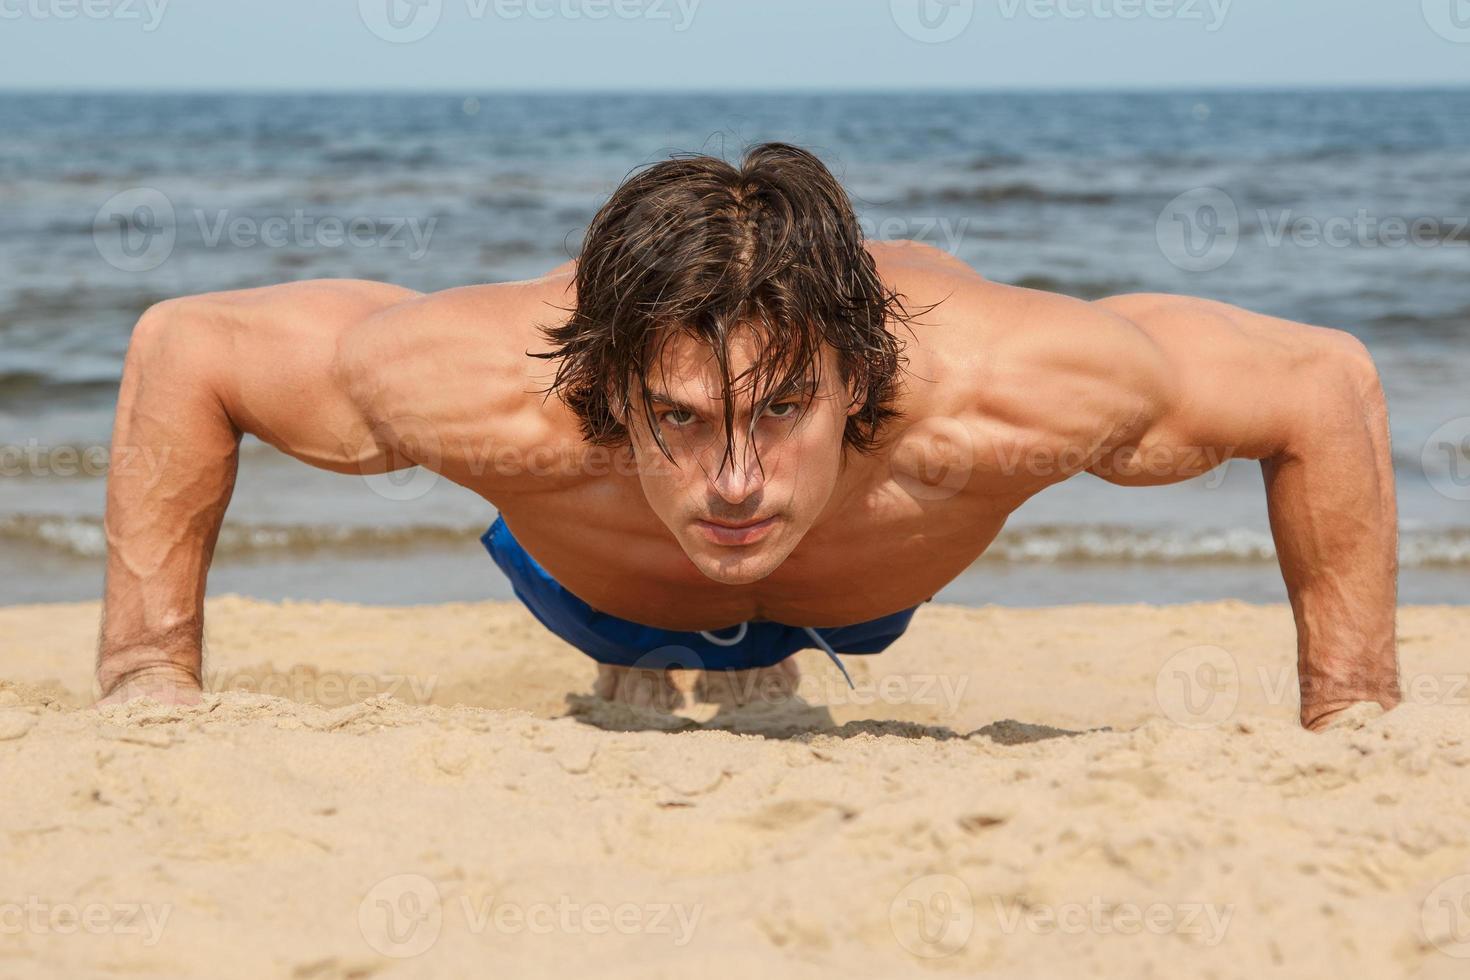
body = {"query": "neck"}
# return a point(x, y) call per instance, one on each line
point(855, 477)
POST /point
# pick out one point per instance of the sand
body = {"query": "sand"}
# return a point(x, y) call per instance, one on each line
point(430, 792)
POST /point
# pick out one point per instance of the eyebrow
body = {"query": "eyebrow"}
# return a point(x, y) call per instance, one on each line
point(801, 386)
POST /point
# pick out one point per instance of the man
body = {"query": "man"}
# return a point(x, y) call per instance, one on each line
point(732, 429)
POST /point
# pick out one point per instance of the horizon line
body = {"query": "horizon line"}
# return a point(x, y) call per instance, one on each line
point(791, 91)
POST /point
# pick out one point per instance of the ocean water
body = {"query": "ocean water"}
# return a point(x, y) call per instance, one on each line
point(1346, 209)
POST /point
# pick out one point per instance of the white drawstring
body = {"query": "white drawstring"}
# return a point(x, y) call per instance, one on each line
point(726, 643)
point(826, 647)
point(831, 653)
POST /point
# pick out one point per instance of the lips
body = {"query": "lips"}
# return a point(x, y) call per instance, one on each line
point(748, 532)
point(736, 527)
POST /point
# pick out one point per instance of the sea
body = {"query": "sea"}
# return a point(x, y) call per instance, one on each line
point(1341, 208)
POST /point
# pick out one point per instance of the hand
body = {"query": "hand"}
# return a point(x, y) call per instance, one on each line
point(1354, 714)
point(166, 684)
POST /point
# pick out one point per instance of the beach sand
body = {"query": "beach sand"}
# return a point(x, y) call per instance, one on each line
point(430, 792)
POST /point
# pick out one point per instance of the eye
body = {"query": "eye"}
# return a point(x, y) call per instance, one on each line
point(677, 417)
point(784, 410)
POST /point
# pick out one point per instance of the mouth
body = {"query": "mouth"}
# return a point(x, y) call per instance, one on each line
point(730, 535)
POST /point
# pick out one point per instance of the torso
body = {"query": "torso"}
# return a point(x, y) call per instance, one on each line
point(893, 537)
point(876, 556)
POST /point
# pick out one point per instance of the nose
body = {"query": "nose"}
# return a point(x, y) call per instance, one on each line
point(738, 477)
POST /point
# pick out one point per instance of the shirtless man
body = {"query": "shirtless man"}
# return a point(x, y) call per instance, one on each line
point(733, 429)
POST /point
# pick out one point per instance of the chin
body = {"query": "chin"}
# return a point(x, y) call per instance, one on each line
point(735, 573)
point(738, 566)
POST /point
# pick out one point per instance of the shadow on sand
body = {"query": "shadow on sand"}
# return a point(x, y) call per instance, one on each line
point(787, 718)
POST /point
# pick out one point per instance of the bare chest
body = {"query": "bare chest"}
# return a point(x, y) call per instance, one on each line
point(890, 552)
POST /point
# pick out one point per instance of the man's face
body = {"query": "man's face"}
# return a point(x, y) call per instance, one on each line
point(738, 520)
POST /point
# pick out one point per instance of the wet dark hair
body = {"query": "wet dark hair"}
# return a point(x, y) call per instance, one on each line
point(698, 246)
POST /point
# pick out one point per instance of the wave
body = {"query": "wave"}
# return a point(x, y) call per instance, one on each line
point(1021, 192)
point(38, 385)
point(981, 164)
point(82, 537)
point(66, 460)
point(1426, 547)
point(1451, 324)
point(379, 155)
point(66, 303)
point(1117, 542)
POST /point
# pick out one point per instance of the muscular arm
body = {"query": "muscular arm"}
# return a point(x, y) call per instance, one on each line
point(1306, 401)
point(356, 377)
point(200, 372)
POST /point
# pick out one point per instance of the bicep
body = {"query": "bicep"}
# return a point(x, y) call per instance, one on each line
point(274, 361)
point(1236, 384)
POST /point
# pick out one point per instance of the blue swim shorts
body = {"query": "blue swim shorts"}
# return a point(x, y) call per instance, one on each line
point(610, 640)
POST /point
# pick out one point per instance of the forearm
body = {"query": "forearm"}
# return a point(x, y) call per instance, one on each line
point(1334, 518)
point(174, 454)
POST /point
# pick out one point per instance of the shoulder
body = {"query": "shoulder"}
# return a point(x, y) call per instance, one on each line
point(998, 348)
point(452, 374)
point(911, 259)
point(310, 310)
point(467, 315)
point(486, 330)
point(1040, 381)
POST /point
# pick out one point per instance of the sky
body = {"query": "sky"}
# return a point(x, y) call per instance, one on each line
point(718, 45)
